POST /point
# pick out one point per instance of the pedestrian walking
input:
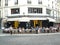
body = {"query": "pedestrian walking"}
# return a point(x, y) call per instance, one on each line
point(43, 29)
point(37, 29)
point(3, 29)
point(31, 29)
point(11, 30)
point(19, 30)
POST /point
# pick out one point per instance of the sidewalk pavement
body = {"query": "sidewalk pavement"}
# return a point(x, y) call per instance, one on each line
point(40, 34)
point(0, 31)
point(31, 34)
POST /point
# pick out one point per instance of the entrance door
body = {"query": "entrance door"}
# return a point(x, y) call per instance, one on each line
point(16, 24)
point(35, 23)
point(45, 23)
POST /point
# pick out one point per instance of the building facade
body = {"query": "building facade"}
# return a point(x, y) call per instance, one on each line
point(27, 13)
point(0, 14)
point(58, 17)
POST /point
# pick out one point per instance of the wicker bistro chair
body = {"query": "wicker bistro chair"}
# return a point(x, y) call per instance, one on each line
point(47, 30)
point(42, 29)
point(54, 29)
point(39, 30)
point(22, 30)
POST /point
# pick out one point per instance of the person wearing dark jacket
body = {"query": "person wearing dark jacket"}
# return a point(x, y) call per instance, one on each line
point(37, 29)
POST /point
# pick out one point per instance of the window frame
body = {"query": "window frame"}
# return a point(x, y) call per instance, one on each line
point(6, 2)
point(28, 1)
point(0, 2)
point(39, 1)
point(48, 11)
point(14, 9)
point(34, 10)
point(16, 2)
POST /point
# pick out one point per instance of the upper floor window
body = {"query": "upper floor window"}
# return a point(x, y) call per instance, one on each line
point(6, 2)
point(29, 1)
point(15, 11)
point(48, 5)
point(34, 10)
point(55, 0)
point(0, 2)
point(48, 0)
point(48, 11)
point(52, 4)
point(39, 1)
point(16, 2)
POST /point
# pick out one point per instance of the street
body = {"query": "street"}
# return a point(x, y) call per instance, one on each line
point(33, 39)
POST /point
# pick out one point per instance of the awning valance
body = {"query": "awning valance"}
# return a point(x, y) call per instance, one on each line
point(24, 19)
point(51, 19)
point(37, 18)
point(27, 19)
